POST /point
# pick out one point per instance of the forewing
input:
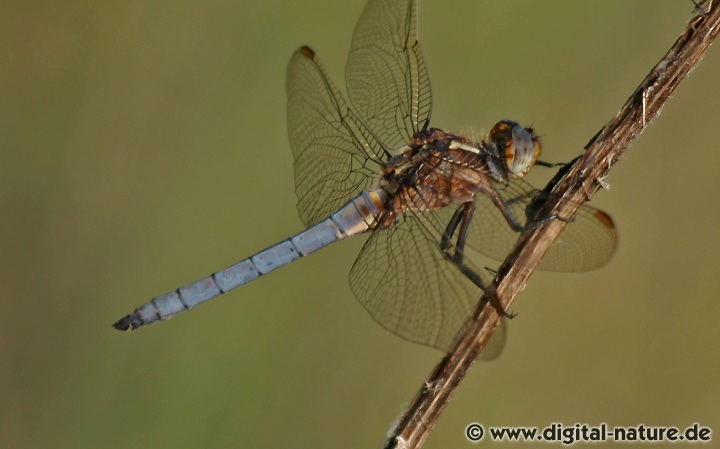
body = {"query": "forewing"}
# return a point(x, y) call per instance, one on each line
point(386, 78)
point(587, 243)
point(336, 156)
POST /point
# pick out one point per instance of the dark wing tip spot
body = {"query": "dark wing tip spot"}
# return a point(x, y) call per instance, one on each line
point(307, 52)
point(605, 219)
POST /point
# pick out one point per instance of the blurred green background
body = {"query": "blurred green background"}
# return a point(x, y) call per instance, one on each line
point(143, 146)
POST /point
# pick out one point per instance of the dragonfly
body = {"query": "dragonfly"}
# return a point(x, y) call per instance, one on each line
point(435, 205)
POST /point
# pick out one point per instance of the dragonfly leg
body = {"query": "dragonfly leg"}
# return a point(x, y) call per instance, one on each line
point(535, 204)
point(504, 207)
point(460, 222)
point(549, 164)
point(475, 279)
point(495, 302)
point(450, 229)
point(565, 167)
point(454, 253)
point(462, 217)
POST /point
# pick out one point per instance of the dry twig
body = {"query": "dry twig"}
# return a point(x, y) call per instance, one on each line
point(578, 186)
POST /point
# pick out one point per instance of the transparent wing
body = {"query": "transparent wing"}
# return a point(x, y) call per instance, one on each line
point(404, 281)
point(587, 243)
point(496, 344)
point(336, 156)
point(386, 78)
point(409, 287)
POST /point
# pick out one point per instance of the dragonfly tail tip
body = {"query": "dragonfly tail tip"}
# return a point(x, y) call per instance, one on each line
point(128, 323)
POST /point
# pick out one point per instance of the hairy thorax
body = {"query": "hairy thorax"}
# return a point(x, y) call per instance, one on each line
point(438, 169)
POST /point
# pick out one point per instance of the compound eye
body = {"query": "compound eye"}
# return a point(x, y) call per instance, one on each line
point(521, 152)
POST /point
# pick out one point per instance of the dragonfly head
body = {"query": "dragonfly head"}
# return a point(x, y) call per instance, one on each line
point(519, 146)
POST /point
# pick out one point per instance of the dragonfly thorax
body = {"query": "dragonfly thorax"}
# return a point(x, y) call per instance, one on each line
point(438, 168)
